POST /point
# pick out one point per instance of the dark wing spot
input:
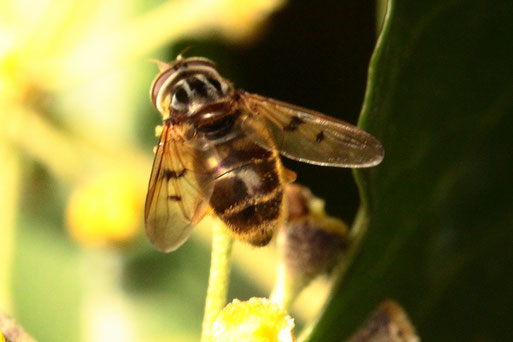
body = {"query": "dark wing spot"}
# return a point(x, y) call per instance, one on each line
point(319, 137)
point(181, 95)
point(168, 174)
point(174, 198)
point(215, 83)
point(198, 86)
point(294, 124)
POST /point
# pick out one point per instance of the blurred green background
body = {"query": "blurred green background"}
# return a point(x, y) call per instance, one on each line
point(77, 149)
point(78, 130)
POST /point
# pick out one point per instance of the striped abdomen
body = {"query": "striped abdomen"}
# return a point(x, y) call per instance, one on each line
point(248, 193)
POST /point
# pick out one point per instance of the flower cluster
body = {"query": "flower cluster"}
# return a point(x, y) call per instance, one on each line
point(255, 320)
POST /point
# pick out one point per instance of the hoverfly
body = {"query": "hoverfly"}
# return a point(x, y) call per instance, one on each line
point(219, 151)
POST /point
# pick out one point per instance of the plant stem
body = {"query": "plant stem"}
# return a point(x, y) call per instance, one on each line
point(219, 277)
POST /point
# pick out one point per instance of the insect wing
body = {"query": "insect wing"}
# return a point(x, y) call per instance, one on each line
point(177, 195)
point(306, 135)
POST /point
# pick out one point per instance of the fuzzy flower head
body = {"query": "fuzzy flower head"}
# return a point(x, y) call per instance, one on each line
point(106, 209)
point(256, 320)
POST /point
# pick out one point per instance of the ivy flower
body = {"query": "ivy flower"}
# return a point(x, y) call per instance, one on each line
point(255, 320)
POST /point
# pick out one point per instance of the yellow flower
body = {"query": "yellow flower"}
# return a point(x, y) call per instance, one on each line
point(256, 320)
point(106, 209)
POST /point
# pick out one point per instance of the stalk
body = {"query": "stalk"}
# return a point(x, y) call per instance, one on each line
point(219, 277)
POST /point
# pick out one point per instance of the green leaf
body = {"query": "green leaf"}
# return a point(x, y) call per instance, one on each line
point(439, 239)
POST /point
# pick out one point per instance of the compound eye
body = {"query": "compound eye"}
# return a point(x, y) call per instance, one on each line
point(158, 83)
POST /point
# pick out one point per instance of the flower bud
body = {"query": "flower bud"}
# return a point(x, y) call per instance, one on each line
point(308, 245)
point(388, 323)
point(106, 209)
